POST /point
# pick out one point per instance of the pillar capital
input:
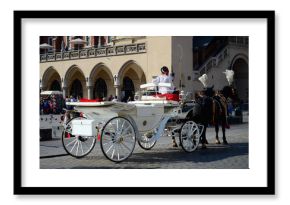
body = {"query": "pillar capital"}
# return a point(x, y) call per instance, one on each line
point(63, 83)
point(116, 80)
point(41, 84)
point(89, 82)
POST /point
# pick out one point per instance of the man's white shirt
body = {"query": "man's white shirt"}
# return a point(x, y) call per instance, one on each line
point(164, 79)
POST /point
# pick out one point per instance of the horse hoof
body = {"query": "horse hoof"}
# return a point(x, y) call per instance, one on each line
point(203, 146)
point(174, 145)
point(217, 142)
point(225, 142)
point(206, 142)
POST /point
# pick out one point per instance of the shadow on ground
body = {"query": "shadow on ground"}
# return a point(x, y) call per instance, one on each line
point(151, 159)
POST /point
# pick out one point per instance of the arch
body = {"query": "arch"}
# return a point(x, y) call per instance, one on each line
point(131, 63)
point(76, 89)
point(71, 70)
point(55, 85)
point(128, 89)
point(49, 77)
point(131, 76)
point(100, 88)
point(241, 78)
point(75, 73)
point(239, 56)
point(98, 67)
point(102, 75)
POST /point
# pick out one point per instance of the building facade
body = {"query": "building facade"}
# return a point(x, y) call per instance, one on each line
point(100, 66)
point(103, 66)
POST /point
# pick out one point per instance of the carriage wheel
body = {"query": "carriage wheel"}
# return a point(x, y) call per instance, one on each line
point(118, 139)
point(145, 144)
point(76, 145)
point(189, 136)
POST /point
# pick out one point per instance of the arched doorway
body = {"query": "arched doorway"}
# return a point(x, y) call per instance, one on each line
point(75, 83)
point(55, 85)
point(128, 89)
point(76, 89)
point(100, 90)
point(131, 76)
point(241, 79)
point(51, 80)
point(102, 81)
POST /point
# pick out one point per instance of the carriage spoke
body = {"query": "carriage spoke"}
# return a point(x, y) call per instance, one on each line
point(122, 126)
point(120, 148)
point(117, 123)
point(126, 146)
point(74, 145)
point(120, 142)
point(78, 144)
point(110, 148)
point(127, 128)
point(110, 142)
point(71, 142)
point(188, 139)
point(113, 153)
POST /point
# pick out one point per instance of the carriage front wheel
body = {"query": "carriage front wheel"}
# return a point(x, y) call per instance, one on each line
point(189, 136)
point(76, 145)
point(118, 139)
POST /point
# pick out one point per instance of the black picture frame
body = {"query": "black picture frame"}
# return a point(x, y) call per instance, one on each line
point(269, 16)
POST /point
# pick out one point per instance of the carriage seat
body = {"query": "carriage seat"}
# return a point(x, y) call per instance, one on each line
point(169, 96)
point(91, 100)
point(159, 96)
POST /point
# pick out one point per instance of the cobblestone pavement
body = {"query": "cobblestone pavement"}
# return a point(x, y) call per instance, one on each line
point(161, 156)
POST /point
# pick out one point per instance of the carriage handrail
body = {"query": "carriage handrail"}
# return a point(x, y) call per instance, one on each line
point(148, 85)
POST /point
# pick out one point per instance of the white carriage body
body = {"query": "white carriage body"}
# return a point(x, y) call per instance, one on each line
point(118, 124)
point(145, 115)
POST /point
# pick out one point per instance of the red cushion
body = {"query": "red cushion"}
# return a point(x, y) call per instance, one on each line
point(169, 96)
point(93, 100)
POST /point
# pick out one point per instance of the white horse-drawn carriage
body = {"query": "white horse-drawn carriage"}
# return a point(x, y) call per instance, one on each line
point(118, 125)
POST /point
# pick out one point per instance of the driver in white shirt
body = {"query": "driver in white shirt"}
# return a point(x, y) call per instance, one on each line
point(164, 78)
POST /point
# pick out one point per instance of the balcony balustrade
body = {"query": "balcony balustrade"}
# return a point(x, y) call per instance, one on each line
point(94, 53)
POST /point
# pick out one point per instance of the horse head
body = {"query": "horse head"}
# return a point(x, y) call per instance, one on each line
point(227, 92)
point(209, 92)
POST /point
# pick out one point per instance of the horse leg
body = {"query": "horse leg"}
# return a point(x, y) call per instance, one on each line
point(217, 141)
point(174, 144)
point(203, 138)
point(224, 132)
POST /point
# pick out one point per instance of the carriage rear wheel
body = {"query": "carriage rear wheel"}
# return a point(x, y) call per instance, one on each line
point(189, 136)
point(76, 145)
point(118, 139)
point(146, 143)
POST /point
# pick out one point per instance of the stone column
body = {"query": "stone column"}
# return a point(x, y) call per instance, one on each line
point(41, 87)
point(64, 88)
point(99, 43)
point(117, 86)
point(90, 92)
point(64, 92)
point(118, 92)
point(89, 87)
